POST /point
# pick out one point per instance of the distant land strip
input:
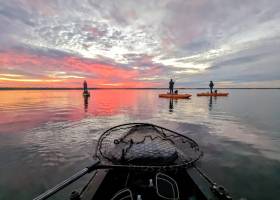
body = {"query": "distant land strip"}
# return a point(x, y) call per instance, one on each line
point(180, 88)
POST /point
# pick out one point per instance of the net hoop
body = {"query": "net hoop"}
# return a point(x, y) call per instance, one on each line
point(165, 136)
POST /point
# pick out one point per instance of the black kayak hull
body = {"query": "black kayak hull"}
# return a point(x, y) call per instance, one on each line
point(130, 164)
point(106, 183)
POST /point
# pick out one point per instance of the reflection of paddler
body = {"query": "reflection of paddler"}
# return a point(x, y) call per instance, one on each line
point(86, 103)
point(171, 105)
point(210, 103)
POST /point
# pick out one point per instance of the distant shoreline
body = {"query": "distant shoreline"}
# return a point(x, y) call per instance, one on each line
point(6, 88)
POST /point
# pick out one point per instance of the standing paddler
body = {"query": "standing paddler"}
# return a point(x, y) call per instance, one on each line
point(211, 85)
point(85, 88)
point(171, 86)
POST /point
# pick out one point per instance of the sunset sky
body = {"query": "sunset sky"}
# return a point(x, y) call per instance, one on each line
point(139, 43)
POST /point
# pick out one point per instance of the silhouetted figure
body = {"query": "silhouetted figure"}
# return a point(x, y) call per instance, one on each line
point(85, 87)
point(171, 86)
point(86, 92)
point(211, 85)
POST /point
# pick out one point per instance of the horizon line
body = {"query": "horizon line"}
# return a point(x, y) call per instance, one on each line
point(126, 88)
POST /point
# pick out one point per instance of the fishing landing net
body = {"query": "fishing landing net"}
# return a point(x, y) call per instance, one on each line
point(146, 146)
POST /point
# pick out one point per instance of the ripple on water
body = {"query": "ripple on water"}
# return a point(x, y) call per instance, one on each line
point(55, 144)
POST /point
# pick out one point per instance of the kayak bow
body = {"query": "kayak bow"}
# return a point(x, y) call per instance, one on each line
point(144, 161)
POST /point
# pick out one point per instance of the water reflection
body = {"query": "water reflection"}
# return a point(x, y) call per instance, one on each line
point(37, 128)
point(211, 102)
point(86, 103)
point(54, 106)
point(171, 105)
point(113, 102)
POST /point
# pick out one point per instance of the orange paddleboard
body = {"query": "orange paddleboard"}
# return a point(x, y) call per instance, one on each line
point(175, 96)
point(212, 94)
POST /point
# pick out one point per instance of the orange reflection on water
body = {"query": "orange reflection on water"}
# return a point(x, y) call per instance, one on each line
point(27, 109)
point(112, 102)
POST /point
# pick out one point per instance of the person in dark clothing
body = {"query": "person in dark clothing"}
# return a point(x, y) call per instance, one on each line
point(211, 85)
point(171, 86)
point(85, 87)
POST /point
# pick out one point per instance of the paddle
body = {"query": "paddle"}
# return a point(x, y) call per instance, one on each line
point(218, 190)
point(68, 181)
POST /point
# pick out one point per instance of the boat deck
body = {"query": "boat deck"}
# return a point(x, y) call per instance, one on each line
point(107, 183)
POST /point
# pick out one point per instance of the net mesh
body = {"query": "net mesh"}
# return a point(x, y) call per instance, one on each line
point(146, 145)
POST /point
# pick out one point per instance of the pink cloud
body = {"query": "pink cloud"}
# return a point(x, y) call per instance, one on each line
point(98, 74)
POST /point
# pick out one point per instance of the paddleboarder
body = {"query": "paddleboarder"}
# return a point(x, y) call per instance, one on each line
point(211, 85)
point(171, 86)
point(85, 86)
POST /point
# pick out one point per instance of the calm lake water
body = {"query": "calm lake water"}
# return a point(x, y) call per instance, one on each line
point(46, 136)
